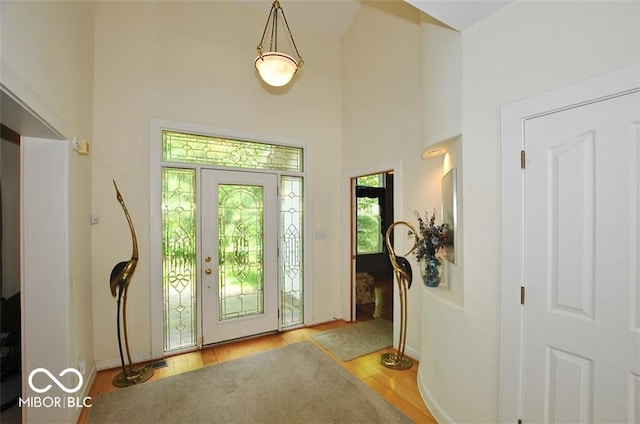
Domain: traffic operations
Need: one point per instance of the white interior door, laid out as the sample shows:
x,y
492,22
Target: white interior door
x,y
581,357
239,269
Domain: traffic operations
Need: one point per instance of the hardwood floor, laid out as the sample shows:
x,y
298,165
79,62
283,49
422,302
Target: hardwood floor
x,y
398,387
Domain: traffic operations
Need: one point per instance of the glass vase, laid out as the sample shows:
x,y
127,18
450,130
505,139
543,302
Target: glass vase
x,y
430,270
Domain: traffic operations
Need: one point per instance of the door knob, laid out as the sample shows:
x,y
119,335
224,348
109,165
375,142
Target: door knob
x,y
207,259
207,271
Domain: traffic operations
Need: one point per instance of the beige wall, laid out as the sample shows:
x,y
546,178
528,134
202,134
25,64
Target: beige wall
x,y
47,64
382,106
522,50
360,108
47,60
194,63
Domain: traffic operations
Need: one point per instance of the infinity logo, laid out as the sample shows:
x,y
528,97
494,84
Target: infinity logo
x,y
55,380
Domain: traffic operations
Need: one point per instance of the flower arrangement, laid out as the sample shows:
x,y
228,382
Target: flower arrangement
x,y
431,237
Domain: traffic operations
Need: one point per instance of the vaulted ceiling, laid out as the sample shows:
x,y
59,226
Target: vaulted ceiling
x,y
331,17
459,14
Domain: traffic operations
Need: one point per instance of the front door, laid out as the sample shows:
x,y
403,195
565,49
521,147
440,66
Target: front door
x,y
581,313
239,269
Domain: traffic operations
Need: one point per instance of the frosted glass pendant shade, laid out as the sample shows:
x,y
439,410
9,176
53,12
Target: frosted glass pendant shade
x,y
275,68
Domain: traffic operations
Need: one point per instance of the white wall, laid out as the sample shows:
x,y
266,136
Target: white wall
x,y
524,49
46,318
47,65
193,62
382,106
441,84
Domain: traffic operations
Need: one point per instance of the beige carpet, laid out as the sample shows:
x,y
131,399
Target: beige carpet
x,y
298,384
354,340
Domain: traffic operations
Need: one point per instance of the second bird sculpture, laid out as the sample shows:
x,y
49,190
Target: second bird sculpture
x,y
404,275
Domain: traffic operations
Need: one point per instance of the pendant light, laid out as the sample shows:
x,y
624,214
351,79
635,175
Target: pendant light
x,y
276,68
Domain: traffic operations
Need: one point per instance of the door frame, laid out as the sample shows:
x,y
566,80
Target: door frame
x,y
354,238
156,126
349,270
514,115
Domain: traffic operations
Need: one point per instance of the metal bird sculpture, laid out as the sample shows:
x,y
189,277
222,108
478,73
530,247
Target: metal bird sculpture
x,y
404,275
122,272
404,267
119,285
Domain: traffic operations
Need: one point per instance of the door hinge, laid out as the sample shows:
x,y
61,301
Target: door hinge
x,y
519,421
521,295
523,159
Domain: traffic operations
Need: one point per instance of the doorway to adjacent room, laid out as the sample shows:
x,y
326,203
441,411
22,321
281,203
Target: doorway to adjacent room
x,y
372,213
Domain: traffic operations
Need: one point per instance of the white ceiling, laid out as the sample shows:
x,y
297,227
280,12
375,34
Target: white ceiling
x,y
333,17
459,14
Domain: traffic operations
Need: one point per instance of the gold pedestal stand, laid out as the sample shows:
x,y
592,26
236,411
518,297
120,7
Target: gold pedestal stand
x,y
395,362
133,376
402,269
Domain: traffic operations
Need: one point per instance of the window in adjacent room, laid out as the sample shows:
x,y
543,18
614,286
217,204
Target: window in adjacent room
x,y
370,192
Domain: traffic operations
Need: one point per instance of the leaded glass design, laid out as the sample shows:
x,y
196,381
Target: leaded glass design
x,y
292,251
179,257
240,250
374,180
208,150
243,281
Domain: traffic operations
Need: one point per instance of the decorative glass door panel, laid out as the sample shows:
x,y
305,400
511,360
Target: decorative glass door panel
x,y
239,254
240,259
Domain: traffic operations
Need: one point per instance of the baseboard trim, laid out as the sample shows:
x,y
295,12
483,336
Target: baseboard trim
x,y
115,363
411,353
436,410
87,385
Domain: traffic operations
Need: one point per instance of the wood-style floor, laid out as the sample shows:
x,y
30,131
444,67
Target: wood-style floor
x,y
398,387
